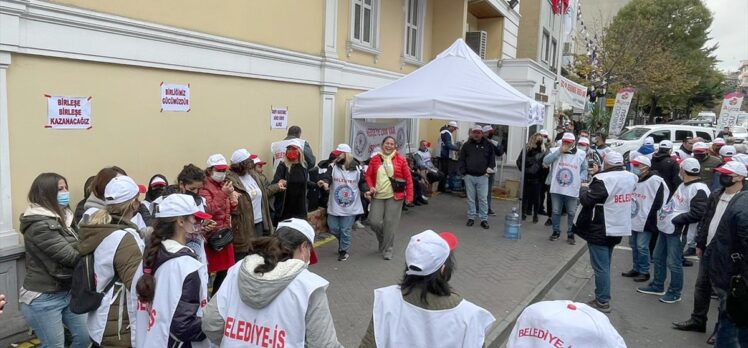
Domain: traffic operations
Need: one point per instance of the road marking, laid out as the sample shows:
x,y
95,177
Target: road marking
x,y
620,247
320,243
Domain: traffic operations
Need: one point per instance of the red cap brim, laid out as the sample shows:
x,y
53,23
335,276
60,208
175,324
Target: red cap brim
x,y
451,239
142,189
700,151
313,257
203,215
158,184
336,153
221,166
567,141
635,162
727,159
261,163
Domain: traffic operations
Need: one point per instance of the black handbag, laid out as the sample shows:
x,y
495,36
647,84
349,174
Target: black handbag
x,y
398,185
219,240
737,296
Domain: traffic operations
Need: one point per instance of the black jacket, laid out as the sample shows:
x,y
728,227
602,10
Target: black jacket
x,y
534,165
186,326
731,237
667,169
590,225
651,223
702,232
51,253
476,157
697,208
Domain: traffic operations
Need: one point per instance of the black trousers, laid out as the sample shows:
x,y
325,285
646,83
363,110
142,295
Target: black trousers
x,y
532,198
702,294
444,168
436,176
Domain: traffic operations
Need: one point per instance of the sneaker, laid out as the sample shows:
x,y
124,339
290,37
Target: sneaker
x,y
630,274
670,298
484,224
491,213
358,225
602,307
423,197
650,290
571,240
554,237
470,222
548,222
343,256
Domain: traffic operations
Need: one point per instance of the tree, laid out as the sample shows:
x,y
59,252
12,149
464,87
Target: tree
x,y
659,47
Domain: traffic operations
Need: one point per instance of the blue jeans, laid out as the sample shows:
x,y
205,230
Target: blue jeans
x,y
477,185
340,227
668,250
639,242
46,315
600,256
560,201
728,336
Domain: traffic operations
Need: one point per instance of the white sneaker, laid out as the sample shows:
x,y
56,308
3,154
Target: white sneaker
x,y
358,225
424,198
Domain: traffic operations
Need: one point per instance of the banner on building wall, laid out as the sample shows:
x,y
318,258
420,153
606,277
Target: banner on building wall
x,y
368,136
572,93
278,149
278,117
620,110
68,112
728,114
175,98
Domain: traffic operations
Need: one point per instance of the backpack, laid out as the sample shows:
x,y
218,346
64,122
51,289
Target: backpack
x,y
83,295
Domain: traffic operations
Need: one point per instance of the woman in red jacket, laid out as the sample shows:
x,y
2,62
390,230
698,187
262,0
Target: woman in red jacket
x,y
390,182
220,201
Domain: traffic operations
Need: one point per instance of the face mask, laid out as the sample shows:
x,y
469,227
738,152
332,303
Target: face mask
x,y
582,148
700,157
636,171
594,140
664,151
292,155
63,199
218,176
726,181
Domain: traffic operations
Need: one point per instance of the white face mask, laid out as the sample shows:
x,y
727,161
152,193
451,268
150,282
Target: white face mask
x,y
218,176
583,148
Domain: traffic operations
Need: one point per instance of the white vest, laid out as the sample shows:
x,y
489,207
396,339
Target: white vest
x,y
345,197
153,323
281,324
565,178
617,207
682,155
426,158
104,272
680,203
644,196
398,323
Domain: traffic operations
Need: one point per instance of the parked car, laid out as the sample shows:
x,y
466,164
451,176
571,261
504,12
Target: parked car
x,y
740,134
707,116
634,137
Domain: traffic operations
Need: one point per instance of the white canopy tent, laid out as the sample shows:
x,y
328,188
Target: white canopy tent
x,y
455,86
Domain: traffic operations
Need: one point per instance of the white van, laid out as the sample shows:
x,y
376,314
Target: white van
x,y
633,139
707,116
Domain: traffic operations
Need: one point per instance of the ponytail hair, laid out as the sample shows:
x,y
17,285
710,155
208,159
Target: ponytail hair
x,y
277,248
164,229
104,216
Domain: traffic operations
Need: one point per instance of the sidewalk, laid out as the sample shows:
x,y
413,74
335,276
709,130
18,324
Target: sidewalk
x,y
492,272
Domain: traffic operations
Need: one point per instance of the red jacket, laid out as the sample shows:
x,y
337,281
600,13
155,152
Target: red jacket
x,y
218,204
402,171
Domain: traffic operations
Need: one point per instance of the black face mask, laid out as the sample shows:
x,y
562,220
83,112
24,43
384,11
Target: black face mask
x,y
700,157
664,151
726,181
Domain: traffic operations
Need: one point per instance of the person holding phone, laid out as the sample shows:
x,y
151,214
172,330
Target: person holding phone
x,y
220,201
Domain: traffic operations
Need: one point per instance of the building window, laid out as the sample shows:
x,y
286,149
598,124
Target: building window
x,y
364,23
414,26
544,45
554,53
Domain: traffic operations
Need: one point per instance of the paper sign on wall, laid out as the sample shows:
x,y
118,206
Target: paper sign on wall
x,y
278,117
68,112
175,98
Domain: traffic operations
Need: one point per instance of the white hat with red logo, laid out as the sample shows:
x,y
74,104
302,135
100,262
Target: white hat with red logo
x,y
428,251
180,205
121,189
241,155
641,161
734,167
452,124
563,324
568,138
583,141
544,133
614,158
691,166
727,151
700,147
719,141
217,161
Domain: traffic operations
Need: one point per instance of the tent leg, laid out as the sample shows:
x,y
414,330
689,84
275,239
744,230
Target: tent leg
x,y
520,191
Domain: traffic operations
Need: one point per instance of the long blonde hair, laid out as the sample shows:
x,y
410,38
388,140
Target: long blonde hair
x,y
104,216
532,141
348,163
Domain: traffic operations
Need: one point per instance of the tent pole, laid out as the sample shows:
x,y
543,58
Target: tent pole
x,y
521,190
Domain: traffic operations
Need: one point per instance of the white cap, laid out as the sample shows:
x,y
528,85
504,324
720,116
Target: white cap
x,y
240,156
719,141
727,151
700,147
641,161
575,324
649,141
543,132
476,128
583,141
733,167
666,144
157,182
452,124
427,251
217,161
487,128
304,228
614,158
568,138
742,158
344,148
691,166
121,189
258,161
180,205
